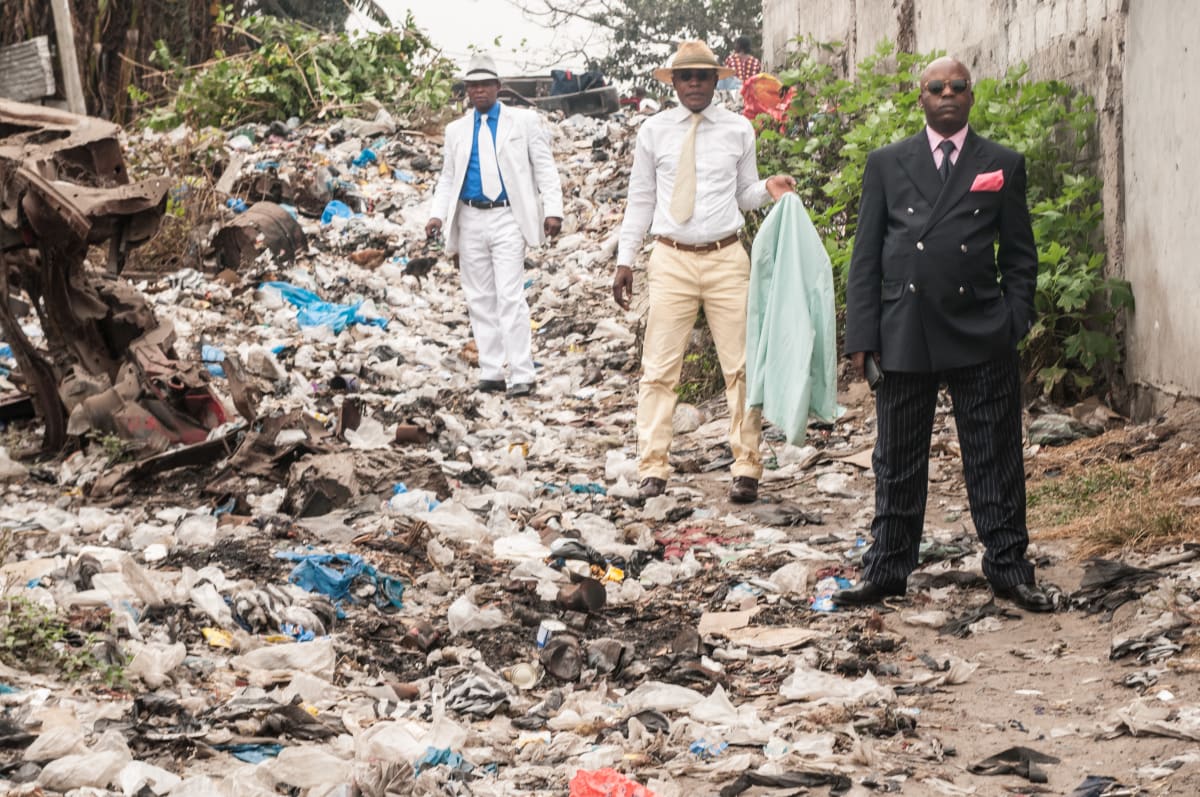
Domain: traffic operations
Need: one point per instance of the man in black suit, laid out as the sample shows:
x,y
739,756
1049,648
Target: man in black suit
x,y
932,300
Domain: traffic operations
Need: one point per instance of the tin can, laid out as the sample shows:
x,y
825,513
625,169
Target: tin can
x,y
547,629
523,675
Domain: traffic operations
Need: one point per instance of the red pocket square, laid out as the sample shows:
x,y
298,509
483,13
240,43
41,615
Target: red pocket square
x,y
988,181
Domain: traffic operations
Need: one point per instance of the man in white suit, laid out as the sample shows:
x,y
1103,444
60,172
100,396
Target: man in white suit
x,y
498,192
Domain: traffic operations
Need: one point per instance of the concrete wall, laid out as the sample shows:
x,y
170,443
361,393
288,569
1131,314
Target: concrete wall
x,y
1162,201
1139,60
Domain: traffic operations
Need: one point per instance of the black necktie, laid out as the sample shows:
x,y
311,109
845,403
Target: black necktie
x,y
947,146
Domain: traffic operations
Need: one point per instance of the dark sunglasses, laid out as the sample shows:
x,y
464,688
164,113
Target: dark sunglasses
x,y
958,86
688,75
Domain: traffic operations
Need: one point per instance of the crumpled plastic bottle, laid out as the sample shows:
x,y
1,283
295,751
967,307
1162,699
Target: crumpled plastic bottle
x,y
824,589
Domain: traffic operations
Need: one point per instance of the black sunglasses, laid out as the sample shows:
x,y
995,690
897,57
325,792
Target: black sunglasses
x,y
958,86
688,75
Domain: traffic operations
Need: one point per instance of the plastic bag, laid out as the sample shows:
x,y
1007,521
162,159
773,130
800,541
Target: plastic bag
x,y
763,93
152,662
316,657
315,312
97,770
464,616
308,767
606,783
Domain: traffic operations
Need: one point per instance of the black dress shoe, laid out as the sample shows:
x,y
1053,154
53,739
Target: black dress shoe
x,y
1029,597
491,386
866,592
651,487
521,390
744,490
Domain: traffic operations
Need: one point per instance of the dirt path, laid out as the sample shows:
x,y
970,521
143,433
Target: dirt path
x,y
1044,682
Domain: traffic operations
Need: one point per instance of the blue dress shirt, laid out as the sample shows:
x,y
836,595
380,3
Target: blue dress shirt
x,y
472,186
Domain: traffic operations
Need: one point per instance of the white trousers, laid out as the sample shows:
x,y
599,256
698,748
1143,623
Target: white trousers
x,y
491,265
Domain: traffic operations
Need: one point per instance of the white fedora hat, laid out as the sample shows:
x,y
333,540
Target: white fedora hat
x,y
481,67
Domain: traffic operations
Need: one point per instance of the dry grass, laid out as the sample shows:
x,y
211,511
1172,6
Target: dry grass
x,y
192,204
1127,490
177,246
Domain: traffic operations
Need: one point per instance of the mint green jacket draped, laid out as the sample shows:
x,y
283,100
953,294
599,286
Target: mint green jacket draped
x,y
791,343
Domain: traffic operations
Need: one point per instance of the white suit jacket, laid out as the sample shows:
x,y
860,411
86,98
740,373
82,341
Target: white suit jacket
x,y
526,165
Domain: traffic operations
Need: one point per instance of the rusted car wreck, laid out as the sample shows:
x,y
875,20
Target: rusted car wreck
x,y
106,362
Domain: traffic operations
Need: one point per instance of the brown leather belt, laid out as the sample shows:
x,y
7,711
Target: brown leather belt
x,y
711,246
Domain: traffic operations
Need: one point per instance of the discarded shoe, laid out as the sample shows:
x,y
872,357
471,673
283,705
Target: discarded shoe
x,y
491,385
521,390
866,592
1029,597
744,490
651,487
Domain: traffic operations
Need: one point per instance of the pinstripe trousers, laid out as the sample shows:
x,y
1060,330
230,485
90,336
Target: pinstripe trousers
x,y
987,413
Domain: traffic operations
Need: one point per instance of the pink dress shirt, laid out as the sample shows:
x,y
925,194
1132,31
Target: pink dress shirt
x,y
936,138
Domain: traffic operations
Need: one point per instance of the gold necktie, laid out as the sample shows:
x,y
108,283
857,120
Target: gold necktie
x,y
683,197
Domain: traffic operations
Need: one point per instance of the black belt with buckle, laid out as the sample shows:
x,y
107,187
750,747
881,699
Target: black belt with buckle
x,y
485,204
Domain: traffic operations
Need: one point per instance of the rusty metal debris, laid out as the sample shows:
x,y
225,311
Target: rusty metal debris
x,y
265,226
107,362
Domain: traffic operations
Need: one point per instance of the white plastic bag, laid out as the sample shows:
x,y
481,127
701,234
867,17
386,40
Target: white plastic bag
x,y
464,616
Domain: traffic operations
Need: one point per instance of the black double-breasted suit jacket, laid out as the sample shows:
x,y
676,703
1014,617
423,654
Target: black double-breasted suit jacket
x,y
942,276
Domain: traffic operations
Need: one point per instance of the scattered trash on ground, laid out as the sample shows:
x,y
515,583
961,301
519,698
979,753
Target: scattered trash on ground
x,y
293,548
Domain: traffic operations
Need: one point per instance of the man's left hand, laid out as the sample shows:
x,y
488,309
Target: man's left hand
x,y
552,226
780,184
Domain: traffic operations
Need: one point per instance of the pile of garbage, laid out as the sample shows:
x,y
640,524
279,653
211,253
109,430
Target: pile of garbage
x,y
365,578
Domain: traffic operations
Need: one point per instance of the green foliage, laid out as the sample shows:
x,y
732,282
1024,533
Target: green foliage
x,y
116,449
291,70
641,34
700,378
834,123
38,640
637,24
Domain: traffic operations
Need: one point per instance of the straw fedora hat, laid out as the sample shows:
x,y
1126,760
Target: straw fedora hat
x,y
692,55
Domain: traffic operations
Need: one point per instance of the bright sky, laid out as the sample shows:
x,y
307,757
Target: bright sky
x,y
525,47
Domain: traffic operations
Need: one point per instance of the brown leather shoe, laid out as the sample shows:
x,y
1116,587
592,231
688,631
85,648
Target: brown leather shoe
x,y
744,490
651,487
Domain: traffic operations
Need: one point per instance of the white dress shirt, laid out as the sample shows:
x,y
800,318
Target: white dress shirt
x,y
727,182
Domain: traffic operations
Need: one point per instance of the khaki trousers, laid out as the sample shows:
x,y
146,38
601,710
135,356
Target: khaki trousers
x,y
680,283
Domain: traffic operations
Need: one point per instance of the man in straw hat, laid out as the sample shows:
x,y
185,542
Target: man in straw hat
x,y
694,173
498,192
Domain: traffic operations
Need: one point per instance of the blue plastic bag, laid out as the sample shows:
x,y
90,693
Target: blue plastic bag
x,y
319,572
251,753
336,210
367,156
212,358
314,312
